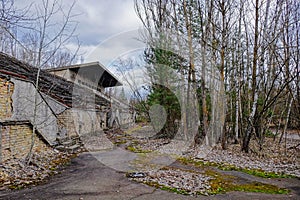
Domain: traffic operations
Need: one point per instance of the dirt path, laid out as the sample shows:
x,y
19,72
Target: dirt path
x,y
87,178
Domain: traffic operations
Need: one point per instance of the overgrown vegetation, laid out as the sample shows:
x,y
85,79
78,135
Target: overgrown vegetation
x,y
221,183
222,186
162,90
232,54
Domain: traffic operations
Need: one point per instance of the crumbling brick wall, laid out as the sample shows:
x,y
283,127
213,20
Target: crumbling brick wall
x,y
79,122
6,91
15,137
66,124
16,140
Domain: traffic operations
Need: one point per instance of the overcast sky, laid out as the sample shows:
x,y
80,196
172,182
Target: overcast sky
x,y
101,19
103,24
107,30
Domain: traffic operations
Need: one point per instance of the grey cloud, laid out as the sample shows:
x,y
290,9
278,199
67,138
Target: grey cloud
x,y
102,28
102,19
98,19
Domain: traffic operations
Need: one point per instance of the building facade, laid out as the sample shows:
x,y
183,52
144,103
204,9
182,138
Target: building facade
x,y
66,102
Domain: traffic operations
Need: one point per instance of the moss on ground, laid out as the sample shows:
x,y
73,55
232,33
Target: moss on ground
x,y
166,188
136,128
229,167
222,183
136,149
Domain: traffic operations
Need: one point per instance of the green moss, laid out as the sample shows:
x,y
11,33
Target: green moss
x,y
229,167
187,161
222,187
263,174
130,131
134,143
254,172
16,187
52,168
223,183
137,149
167,188
175,190
260,187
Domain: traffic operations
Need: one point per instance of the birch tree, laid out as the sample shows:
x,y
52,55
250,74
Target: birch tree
x,y
256,56
48,44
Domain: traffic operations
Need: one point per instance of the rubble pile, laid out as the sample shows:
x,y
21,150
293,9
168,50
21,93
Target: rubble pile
x,y
18,173
187,182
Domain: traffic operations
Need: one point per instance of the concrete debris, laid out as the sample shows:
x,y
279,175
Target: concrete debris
x,y
16,173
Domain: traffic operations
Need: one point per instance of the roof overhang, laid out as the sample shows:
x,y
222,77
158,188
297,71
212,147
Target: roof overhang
x,y
56,87
94,71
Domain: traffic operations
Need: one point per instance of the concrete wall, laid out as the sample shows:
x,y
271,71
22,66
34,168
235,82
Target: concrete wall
x,y
52,118
120,114
17,103
66,74
78,78
23,106
82,122
15,140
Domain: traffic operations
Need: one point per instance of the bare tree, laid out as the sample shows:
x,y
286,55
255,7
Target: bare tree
x,y
47,44
125,69
11,20
256,56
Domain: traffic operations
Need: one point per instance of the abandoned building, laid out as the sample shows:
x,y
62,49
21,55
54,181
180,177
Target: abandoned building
x,y
65,102
94,76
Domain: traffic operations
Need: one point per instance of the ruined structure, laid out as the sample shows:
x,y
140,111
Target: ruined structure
x,y
66,104
94,76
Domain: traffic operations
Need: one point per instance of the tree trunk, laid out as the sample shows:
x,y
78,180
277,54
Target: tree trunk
x,y
249,130
286,120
